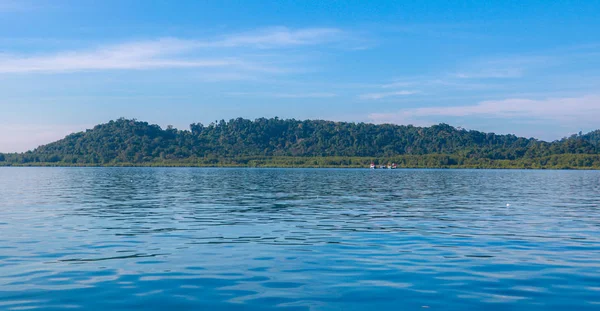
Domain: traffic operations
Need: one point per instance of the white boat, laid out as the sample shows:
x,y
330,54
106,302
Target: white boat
x,y
372,166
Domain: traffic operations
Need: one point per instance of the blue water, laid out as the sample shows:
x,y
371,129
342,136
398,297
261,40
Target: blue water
x,y
298,239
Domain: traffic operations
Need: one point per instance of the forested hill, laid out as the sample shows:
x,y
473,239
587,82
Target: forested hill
x,y
278,142
591,137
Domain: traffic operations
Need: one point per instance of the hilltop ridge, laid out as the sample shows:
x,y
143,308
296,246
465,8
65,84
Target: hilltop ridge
x,y
289,142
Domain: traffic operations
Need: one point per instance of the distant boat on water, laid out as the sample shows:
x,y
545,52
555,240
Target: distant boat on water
x,y
392,166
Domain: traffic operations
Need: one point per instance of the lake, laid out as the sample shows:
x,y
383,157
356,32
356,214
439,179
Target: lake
x,y
298,239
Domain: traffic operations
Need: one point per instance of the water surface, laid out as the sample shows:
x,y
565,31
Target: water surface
x,y
298,239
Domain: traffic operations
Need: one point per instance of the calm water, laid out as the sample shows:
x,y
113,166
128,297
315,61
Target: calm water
x,y
256,239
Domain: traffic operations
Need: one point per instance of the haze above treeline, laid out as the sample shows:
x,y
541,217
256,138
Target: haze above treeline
x,y
311,143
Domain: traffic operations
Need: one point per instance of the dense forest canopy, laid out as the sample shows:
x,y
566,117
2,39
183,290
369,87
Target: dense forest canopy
x,y
289,142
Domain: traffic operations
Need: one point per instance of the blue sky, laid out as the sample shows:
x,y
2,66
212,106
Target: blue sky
x,y
531,68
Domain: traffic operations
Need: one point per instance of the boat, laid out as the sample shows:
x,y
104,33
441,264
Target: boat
x,y
372,166
394,166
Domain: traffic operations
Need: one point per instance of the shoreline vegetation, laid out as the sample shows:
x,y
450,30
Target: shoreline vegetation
x,y
568,161
307,144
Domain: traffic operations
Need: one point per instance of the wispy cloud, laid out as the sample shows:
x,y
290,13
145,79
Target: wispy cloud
x,y
400,84
439,30
305,95
498,73
509,74
503,68
375,96
170,53
437,82
136,55
572,110
277,37
285,95
226,76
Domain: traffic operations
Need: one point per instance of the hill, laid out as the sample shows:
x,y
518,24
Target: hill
x,y
279,142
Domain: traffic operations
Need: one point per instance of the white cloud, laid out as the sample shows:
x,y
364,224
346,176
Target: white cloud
x,y
285,95
583,110
375,96
225,76
136,55
439,30
394,85
305,95
278,37
170,53
494,73
431,84
508,67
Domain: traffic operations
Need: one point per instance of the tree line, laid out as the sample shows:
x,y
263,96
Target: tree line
x,y
308,143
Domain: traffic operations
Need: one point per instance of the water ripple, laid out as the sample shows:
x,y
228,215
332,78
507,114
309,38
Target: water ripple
x,y
260,239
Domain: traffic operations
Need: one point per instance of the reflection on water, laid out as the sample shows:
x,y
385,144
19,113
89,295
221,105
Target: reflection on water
x,y
255,239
